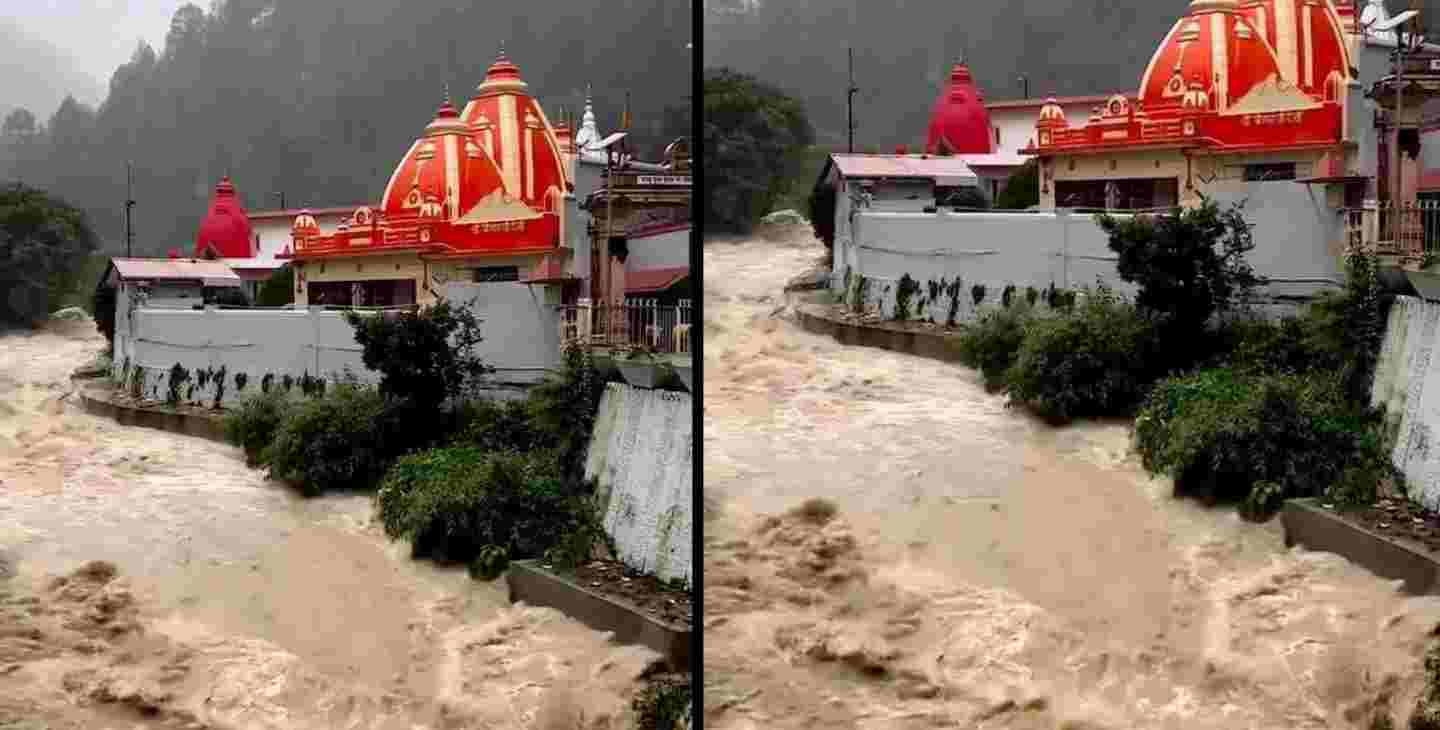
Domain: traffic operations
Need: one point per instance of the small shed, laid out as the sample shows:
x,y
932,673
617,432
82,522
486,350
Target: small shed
x,y
180,283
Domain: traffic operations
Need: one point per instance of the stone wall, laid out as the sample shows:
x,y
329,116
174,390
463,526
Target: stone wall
x,y
641,456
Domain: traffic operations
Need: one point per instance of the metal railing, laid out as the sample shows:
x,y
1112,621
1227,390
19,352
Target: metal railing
x,y
642,325
1409,229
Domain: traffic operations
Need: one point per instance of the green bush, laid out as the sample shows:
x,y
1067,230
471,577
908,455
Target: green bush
x,y
332,443
426,355
1096,361
455,503
564,408
254,423
991,344
501,426
278,290
1226,435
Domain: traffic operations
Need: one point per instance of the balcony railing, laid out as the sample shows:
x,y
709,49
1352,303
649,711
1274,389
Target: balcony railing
x,y
642,325
1409,230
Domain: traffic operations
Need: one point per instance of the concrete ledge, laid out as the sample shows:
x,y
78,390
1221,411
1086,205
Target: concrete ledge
x,y
920,344
538,587
96,402
1308,524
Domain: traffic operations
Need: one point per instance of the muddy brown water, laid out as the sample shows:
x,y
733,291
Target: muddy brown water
x,y
252,608
985,570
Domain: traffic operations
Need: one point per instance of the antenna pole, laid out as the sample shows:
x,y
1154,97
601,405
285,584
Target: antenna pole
x,y
129,204
850,103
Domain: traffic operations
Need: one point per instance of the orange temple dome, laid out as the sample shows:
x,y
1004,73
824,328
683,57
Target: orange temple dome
x,y
444,175
959,122
225,230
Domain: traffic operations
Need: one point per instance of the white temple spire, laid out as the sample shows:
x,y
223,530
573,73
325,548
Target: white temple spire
x,y
589,135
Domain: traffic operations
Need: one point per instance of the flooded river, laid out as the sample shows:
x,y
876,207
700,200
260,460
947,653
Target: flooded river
x,y
983,570
152,580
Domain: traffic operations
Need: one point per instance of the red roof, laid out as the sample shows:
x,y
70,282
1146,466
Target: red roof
x,y
654,281
511,127
226,227
959,123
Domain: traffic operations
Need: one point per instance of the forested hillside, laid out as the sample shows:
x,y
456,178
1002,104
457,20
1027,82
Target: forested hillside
x,y
320,98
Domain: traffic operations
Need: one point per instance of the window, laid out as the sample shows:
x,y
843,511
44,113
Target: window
x,y
492,274
1270,172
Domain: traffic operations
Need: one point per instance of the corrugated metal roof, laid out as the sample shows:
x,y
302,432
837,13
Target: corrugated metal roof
x,y
163,269
863,166
652,281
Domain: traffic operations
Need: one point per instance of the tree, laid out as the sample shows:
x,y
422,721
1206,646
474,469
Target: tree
x,y
19,122
822,213
423,356
755,138
1188,266
278,290
967,198
43,245
102,306
1022,190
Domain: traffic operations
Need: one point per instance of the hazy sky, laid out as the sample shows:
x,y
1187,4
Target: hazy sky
x,y
100,34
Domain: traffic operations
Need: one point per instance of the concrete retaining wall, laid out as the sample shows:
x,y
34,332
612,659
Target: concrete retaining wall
x,y
98,403
641,456
1407,385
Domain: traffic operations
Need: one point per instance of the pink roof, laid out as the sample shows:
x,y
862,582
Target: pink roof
x,y
862,166
652,281
214,273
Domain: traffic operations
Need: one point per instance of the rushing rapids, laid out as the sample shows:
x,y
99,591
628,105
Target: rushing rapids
x,y
152,580
889,546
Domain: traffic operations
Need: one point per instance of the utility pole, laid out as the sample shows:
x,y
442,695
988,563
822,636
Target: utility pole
x,y
281,195
850,103
1025,84
129,205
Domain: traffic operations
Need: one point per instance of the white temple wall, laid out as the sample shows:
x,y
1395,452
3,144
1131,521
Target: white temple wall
x,y
520,326
1297,246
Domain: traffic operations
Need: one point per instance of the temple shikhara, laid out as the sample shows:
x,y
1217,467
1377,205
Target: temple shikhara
x,y
1314,115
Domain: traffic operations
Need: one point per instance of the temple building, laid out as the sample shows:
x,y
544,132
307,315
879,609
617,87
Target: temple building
x,y
481,196
225,235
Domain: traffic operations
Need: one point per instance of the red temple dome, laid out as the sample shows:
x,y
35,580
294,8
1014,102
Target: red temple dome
x,y
1216,46
225,231
445,175
1308,39
510,126
959,123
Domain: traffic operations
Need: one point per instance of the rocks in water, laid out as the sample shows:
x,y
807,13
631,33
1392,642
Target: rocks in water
x,y
785,217
71,314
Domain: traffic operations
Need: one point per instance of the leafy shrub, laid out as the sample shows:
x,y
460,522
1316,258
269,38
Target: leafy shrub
x,y
908,289
1258,439
1007,295
178,377
219,386
489,563
331,443
501,426
240,380
977,293
266,382
1091,363
1031,295
564,407
425,355
452,503
991,344
1187,266
254,423
953,291
278,290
